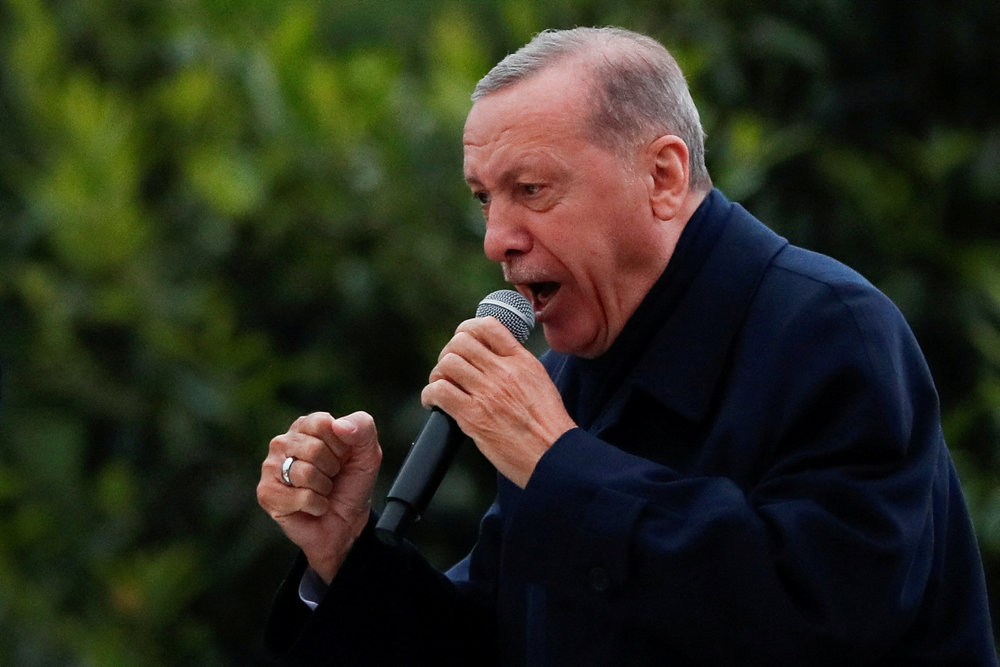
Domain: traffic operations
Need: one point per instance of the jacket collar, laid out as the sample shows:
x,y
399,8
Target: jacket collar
x,y
686,359
685,363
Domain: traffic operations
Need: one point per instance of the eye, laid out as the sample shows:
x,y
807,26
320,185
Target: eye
x,y
530,189
482,197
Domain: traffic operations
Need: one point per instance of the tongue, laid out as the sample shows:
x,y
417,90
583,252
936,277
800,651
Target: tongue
x,y
544,291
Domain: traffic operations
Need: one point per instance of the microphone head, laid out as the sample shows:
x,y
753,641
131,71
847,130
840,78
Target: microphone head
x,y
512,309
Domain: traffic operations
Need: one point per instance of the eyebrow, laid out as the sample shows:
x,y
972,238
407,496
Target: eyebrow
x,y
508,175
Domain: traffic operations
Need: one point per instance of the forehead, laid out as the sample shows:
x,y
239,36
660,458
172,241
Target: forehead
x,y
546,111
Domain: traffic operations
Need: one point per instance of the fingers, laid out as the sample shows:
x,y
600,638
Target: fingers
x,y
456,368
281,500
479,346
304,475
356,429
306,493
488,332
308,449
310,441
317,447
492,333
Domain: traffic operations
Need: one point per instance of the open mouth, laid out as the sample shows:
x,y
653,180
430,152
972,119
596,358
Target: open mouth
x,y
543,291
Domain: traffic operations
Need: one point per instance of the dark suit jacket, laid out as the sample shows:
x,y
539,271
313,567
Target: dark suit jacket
x,y
768,484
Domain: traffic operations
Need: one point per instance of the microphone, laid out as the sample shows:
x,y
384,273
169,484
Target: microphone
x,y
432,452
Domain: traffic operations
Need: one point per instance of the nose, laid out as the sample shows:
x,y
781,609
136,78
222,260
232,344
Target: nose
x,y
506,234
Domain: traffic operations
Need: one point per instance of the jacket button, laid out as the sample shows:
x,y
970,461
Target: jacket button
x,y
599,579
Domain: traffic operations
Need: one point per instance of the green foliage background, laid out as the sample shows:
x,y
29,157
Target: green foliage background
x,y
217,215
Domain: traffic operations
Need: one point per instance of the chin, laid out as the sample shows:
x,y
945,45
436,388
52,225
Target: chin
x,y
565,343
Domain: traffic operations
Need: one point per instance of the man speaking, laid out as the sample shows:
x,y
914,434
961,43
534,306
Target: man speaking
x,y
732,453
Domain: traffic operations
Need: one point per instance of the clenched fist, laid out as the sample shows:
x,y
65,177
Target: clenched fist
x,y
330,466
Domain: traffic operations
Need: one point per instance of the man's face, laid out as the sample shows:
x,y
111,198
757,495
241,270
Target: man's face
x,y
570,222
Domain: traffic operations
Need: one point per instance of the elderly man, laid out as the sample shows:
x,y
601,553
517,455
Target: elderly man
x,y
731,455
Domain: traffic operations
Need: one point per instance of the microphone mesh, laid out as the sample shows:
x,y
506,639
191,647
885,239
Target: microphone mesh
x,y
512,309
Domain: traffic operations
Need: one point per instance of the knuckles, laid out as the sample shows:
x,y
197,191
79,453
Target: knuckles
x,y
449,359
311,450
278,443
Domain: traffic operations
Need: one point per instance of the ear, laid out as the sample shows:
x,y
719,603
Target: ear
x,y
669,174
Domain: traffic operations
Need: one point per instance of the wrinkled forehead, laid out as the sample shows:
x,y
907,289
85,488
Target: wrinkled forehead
x,y
501,147
555,102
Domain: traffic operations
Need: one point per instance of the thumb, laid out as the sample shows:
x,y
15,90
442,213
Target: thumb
x,y
357,428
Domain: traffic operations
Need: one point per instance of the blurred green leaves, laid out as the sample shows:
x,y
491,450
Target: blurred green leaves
x,y
215,216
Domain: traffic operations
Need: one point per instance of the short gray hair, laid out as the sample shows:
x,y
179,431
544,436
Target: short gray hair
x,y
641,91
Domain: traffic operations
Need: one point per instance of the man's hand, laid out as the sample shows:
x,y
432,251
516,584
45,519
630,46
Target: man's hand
x,y
500,396
332,476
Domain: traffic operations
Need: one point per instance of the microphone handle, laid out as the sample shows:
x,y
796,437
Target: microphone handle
x,y
422,471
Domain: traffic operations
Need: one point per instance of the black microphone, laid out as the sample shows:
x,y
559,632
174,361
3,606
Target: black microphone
x,y
432,452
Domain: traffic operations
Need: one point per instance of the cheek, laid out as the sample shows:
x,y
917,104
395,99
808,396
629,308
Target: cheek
x,y
631,255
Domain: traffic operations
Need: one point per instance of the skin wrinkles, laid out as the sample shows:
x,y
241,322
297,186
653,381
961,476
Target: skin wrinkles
x,y
581,232
556,205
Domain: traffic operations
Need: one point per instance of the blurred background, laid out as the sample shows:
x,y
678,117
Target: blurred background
x,y
218,215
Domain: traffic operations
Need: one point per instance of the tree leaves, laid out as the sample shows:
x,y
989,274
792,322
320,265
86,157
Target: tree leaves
x,y
216,216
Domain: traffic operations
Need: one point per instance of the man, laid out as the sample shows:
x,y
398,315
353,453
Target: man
x,y
731,455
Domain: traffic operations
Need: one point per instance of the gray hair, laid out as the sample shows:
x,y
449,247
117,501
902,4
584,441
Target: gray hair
x,y
640,90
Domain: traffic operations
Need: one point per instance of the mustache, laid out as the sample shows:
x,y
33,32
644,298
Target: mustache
x,y
516,273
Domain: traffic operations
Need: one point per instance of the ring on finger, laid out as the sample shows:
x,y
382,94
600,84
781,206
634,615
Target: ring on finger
x,y
286,470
